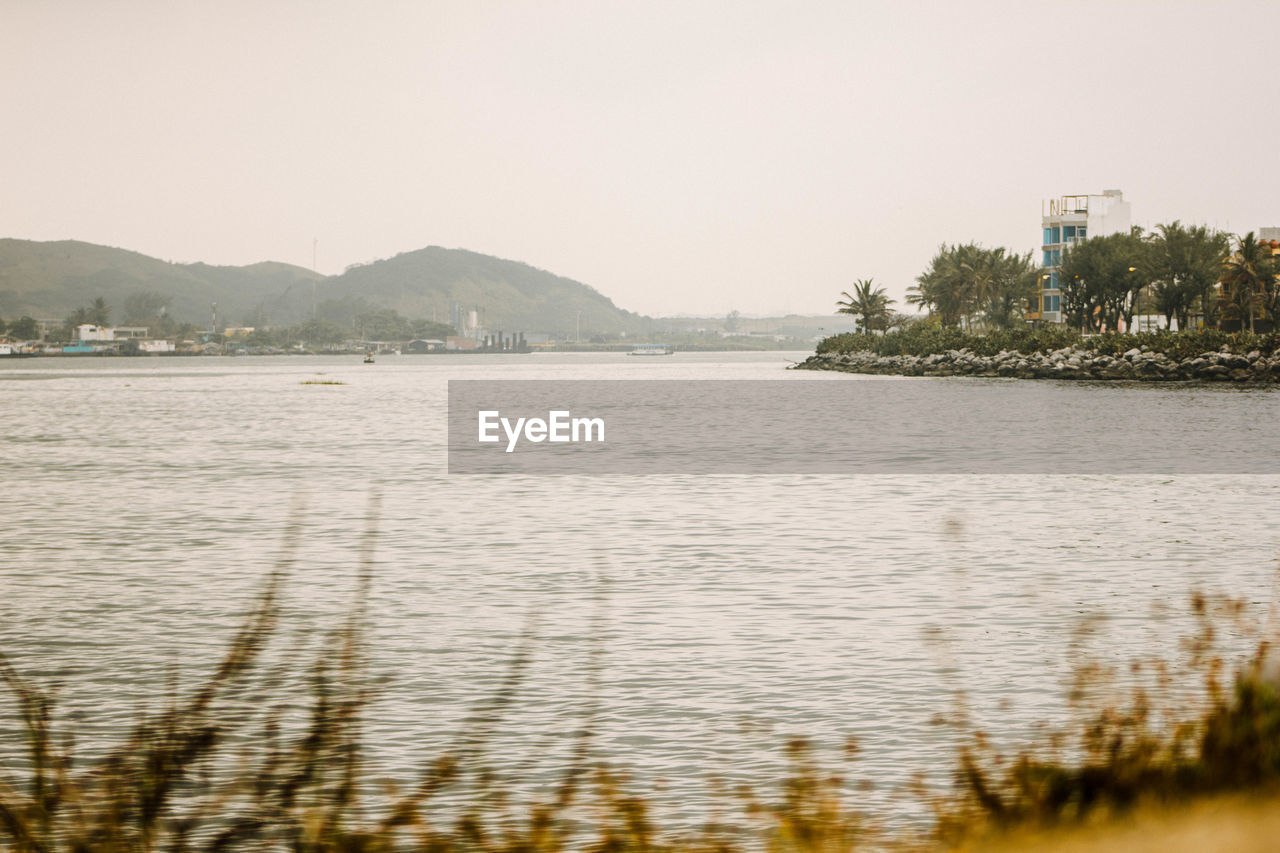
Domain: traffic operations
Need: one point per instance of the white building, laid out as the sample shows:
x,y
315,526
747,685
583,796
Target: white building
x,y
1064,221
90,332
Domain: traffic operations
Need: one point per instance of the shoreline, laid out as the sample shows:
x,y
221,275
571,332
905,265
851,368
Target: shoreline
x,y
1137,364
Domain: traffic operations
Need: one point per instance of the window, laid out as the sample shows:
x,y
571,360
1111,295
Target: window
x,y
1080,233
1048,233
1068,233
1051,283
1052,301
1057,235
1048,258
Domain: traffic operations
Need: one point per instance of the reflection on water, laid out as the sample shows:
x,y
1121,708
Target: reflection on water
x,y
144,501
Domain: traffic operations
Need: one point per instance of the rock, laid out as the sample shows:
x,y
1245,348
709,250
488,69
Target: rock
x,y
1147,369
1236,362
1065,363
1214,371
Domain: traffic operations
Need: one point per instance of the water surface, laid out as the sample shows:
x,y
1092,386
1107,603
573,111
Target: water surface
x,y
144,500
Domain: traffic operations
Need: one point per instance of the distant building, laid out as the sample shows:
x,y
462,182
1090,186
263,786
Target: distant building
x,y
455,342
1065,221
90,332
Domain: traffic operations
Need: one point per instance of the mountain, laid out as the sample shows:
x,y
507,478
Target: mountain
x,y
51,280
507,295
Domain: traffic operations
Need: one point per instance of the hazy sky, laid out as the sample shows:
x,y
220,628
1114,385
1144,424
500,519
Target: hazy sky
x,y
679,157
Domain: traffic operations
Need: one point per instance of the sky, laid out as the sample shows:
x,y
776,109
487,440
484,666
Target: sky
x,y
689,157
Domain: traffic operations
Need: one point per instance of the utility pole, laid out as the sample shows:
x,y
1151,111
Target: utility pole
x,y
315,242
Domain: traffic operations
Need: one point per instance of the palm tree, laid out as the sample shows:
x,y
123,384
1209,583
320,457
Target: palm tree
x,y
1248,281
1013,279
944,288
869,303
1185,263
967,283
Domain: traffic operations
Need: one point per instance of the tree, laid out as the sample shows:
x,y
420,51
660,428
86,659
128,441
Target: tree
x,y
320,333
870,304
151,309
1184,267
142,306
731,321
423,328
100,312
969,283
383,325
1248,283
24,329
4,327
1011,280
945,288
1101,279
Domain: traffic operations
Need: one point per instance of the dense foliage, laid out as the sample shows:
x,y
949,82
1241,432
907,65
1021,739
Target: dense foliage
x,y
1191,275
970,285
1183,264
1249,291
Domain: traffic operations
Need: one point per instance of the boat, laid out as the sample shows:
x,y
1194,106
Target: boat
x,y
652,349
368,357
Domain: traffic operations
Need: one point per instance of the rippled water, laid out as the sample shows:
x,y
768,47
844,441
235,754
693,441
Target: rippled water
x,y
143,502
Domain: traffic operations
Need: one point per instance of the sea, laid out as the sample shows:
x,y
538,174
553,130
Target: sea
x,y
698,622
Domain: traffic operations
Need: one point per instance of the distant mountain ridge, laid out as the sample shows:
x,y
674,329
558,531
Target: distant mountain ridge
x,y
506,294
49,280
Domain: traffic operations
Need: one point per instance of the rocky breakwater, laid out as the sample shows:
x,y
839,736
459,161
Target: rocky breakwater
x,y
1069,363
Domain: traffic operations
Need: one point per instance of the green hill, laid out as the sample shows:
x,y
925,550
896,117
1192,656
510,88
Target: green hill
x,y
51,280
506,295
